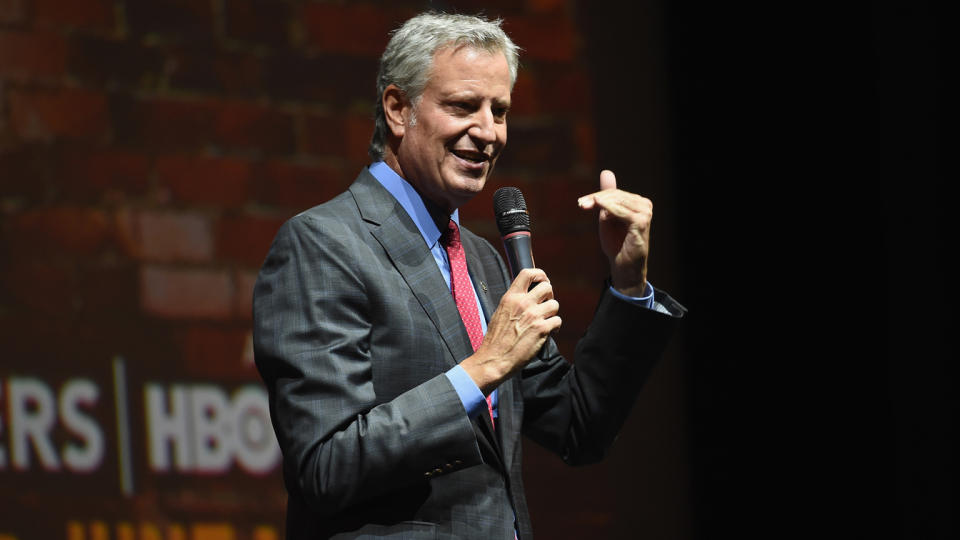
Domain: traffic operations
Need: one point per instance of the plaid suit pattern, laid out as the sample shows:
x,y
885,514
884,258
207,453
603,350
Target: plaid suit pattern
x,y
354,328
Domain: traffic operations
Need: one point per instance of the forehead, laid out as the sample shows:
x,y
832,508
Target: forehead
x,y
471,68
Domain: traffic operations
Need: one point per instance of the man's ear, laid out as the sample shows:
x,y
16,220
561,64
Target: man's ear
x,y
396,109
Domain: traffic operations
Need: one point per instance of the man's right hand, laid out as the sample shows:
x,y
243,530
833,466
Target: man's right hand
x,y
519,327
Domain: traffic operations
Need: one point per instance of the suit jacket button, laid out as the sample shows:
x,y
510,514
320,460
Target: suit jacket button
x,y
449,466
428,474
438,470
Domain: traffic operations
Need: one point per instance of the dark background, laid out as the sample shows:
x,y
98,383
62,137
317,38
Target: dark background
x,y
808,155
795,155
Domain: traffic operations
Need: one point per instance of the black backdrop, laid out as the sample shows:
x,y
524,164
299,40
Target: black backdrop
x,y
803,167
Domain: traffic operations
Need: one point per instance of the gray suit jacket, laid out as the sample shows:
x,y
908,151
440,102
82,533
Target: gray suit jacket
x,y
354,328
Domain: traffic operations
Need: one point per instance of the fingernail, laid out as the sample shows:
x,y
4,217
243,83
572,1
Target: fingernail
x,y
580,202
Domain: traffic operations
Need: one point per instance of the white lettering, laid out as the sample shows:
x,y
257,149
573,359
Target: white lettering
x,y
209,430
32,414
211,422
86,457
163,428
256,444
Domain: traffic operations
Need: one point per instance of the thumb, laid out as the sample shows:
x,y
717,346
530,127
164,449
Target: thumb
x,y
607,180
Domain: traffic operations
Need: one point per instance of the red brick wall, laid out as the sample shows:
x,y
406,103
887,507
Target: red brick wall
x,y
150,149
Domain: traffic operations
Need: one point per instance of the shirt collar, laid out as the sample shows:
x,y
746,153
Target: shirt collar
x,y
411,201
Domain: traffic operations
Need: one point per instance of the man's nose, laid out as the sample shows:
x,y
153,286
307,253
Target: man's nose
x,y
483,129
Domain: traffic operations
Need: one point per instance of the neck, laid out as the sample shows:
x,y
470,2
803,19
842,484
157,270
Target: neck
x,y
435,207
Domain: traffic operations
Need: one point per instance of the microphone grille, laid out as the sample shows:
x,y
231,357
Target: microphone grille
x,y
510,210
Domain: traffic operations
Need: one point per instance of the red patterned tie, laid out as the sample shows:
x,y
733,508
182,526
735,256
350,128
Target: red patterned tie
x,y
463,291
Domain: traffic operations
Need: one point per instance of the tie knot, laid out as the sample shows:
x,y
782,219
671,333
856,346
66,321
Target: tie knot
x,y
451,237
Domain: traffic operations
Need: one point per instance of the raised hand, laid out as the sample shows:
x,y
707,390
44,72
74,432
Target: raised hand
x,y
624,223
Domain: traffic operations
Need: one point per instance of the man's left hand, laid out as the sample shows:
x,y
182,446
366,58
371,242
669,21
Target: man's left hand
x,y
624,233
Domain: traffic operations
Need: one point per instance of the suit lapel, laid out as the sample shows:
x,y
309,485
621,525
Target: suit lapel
x,y
487,280
401,240
480,284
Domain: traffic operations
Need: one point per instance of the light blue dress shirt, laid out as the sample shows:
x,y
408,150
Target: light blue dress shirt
x,y
470,395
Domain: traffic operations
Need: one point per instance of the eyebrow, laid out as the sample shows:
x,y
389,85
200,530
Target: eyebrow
x,y
471,95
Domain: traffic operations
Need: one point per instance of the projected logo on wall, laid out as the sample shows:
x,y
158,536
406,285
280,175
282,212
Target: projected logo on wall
x,y
189,428
137,457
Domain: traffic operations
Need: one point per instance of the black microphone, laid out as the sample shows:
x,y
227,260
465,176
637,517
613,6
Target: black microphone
x,y
513,222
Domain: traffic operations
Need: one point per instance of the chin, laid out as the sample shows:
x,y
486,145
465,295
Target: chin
x,y
473,186
466,180
462,192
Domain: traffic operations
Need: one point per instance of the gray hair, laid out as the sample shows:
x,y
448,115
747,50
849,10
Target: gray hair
x,y
408,58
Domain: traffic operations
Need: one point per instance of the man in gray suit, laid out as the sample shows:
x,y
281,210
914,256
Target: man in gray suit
x,y
398,405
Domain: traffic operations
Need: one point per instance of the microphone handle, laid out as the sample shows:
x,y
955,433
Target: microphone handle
x,y
519,252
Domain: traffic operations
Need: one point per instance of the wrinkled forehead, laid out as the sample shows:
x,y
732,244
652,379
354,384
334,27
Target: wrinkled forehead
x,y
468,52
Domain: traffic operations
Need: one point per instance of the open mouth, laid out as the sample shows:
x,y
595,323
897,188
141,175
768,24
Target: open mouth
x,y
472,156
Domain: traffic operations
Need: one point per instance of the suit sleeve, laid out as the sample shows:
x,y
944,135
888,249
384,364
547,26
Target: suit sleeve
x,y
312,322
578,410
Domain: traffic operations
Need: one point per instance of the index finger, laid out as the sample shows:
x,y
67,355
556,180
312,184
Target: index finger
x,y
526,277
608,181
